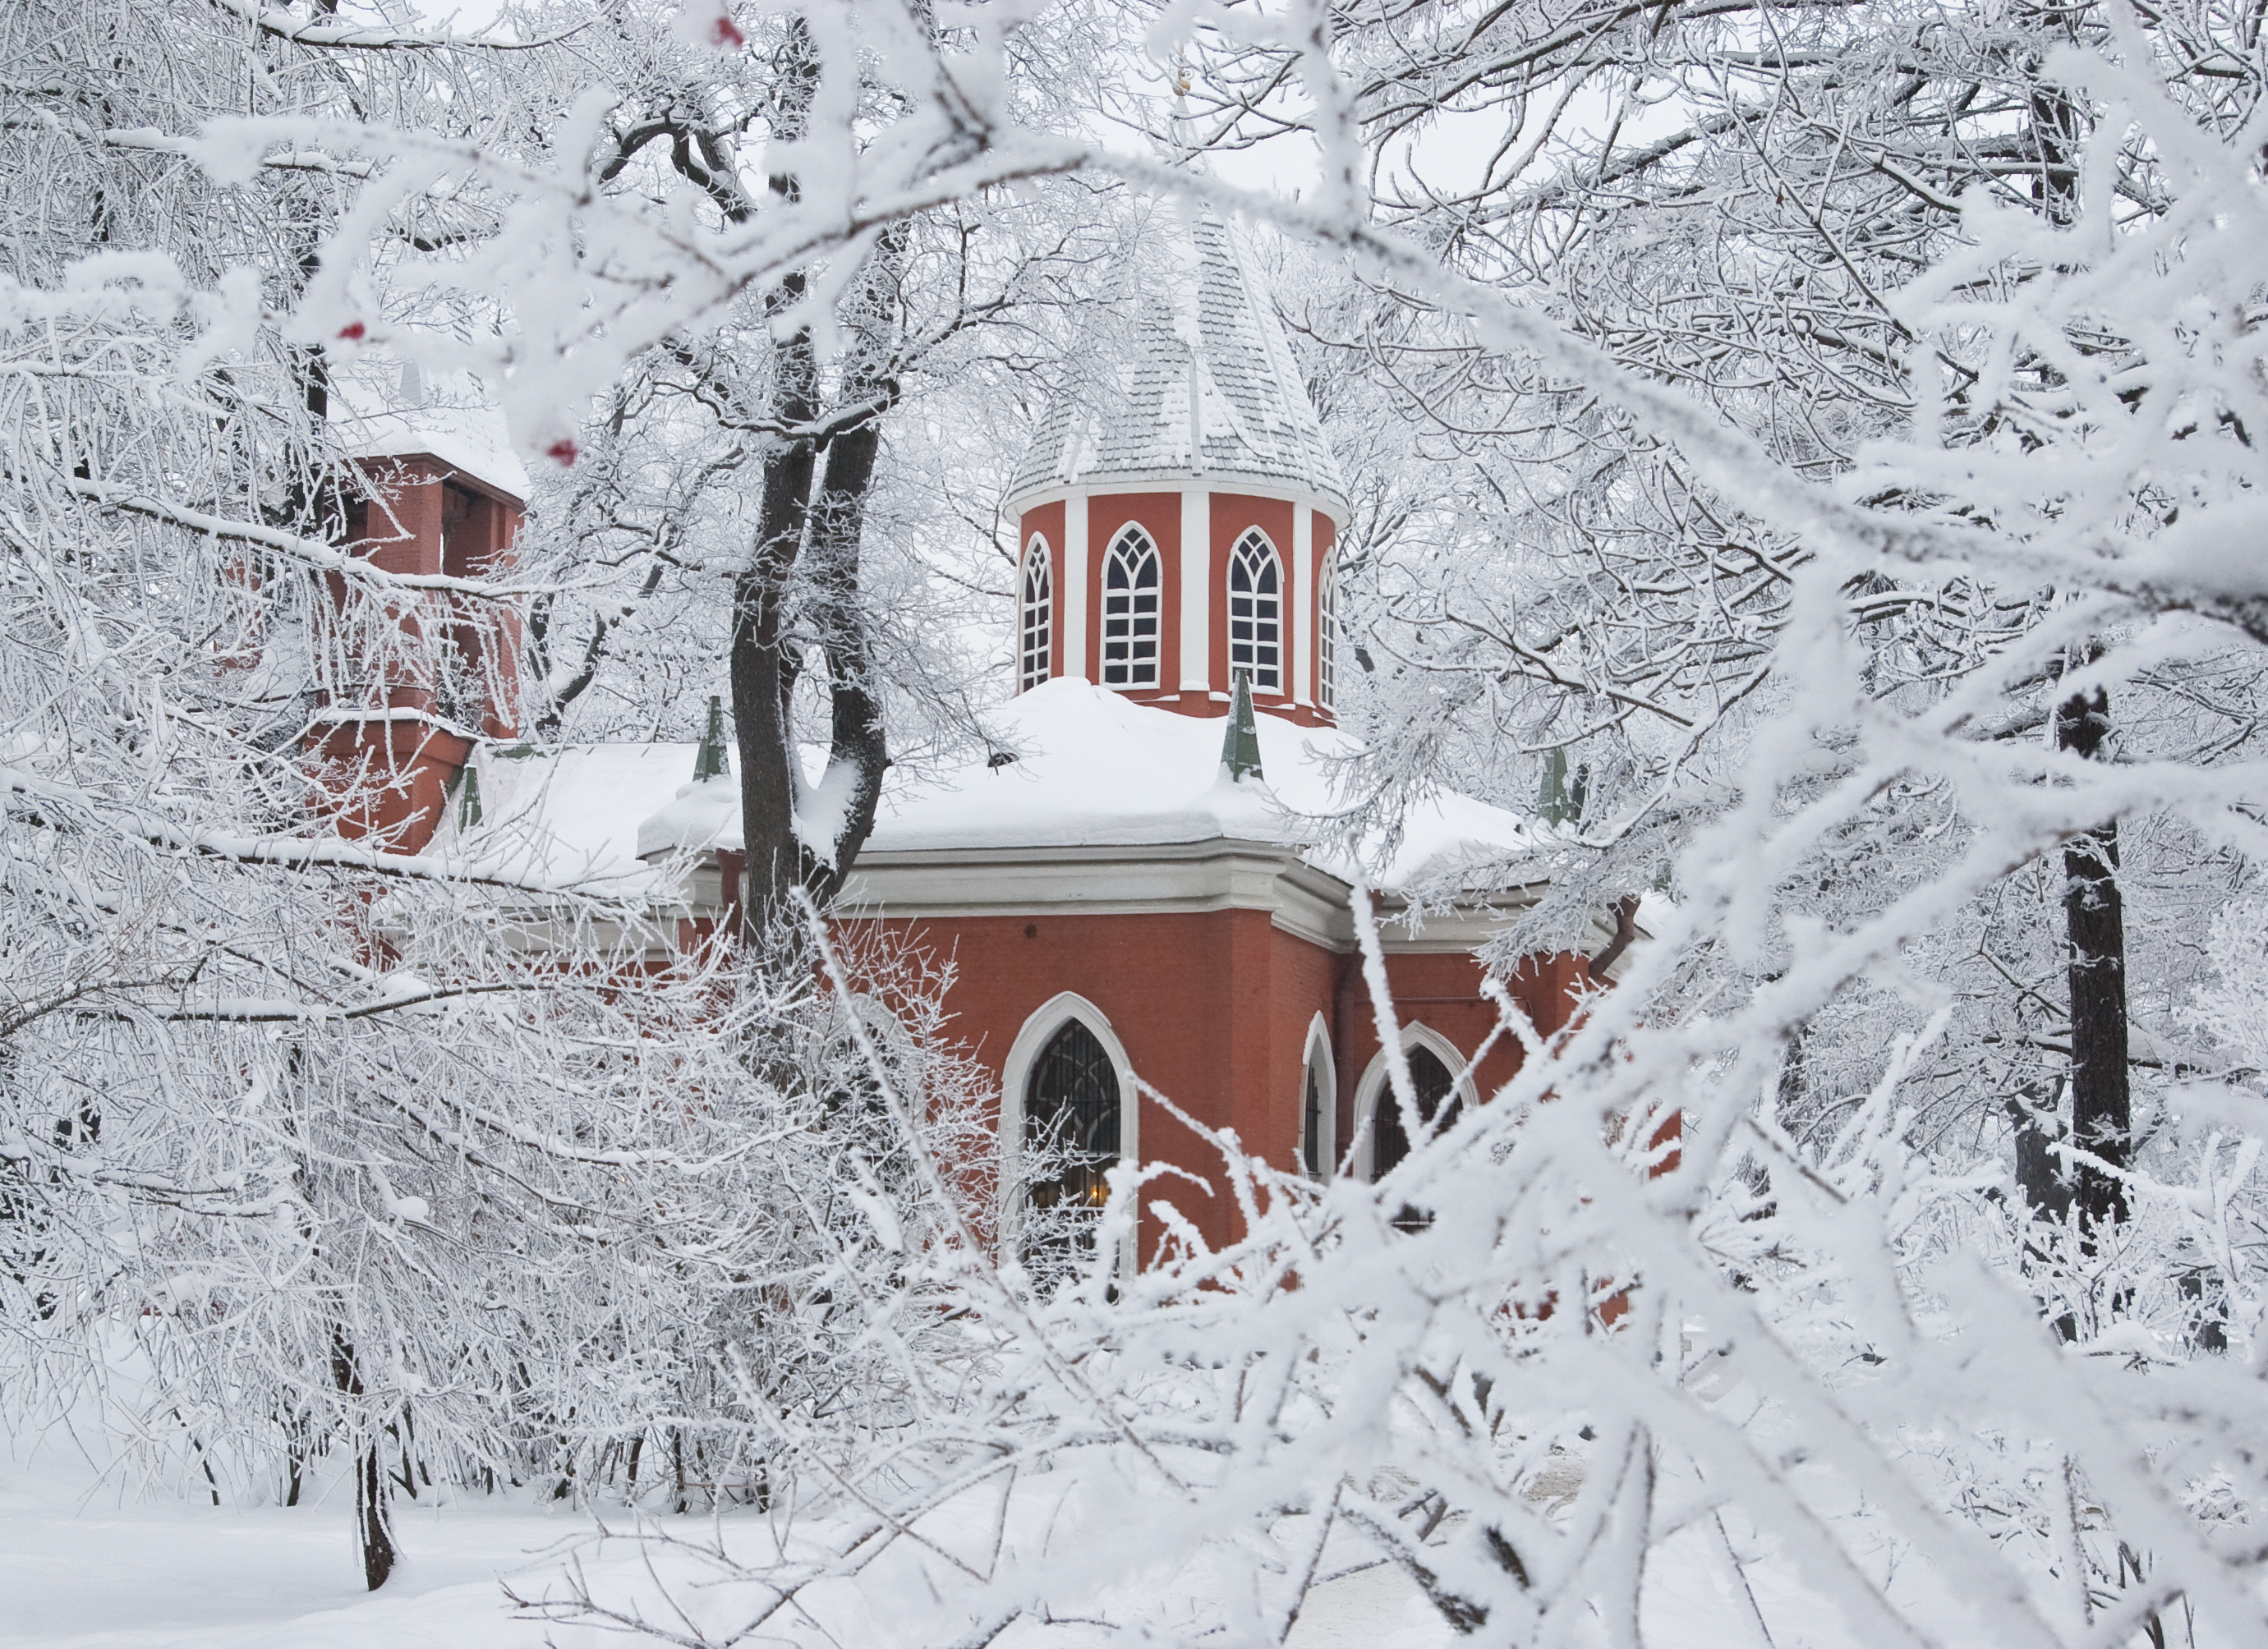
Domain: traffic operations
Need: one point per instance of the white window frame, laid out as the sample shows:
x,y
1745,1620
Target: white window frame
x,y
1116,554
1374,1086
1327,634
1016,1077
1274,557
1037,557
1318,1059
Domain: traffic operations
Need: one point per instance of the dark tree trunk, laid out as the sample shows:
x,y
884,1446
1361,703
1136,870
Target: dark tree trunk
x,y
765,655
373,1506
2040,1170
855,735
826,532
760,681
2101,1117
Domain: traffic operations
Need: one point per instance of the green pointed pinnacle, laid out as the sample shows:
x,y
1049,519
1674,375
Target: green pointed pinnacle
x,y
709,763
1239,751
1558,799
468,798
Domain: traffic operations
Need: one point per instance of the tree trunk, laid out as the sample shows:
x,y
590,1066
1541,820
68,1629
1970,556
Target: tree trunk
x,y
2101,1117
766,657
855,735
765,661
760,683
374,1506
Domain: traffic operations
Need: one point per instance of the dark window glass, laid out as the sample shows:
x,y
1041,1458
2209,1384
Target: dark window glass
x,y
1431,1080
1311,1125
1255,614
1034,655
1071,1127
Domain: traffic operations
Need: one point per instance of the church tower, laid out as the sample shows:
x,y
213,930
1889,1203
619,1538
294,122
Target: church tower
x,y
1179,511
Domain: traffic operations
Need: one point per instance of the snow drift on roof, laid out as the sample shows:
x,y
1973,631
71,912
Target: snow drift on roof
x,y
1089,769
1094,769
446,415
569,815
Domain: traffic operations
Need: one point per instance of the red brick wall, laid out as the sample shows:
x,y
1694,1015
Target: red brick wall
x,y
1213,1009
1159,515
391,776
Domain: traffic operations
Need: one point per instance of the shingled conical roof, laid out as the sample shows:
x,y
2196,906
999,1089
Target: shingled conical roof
x,y
1201,384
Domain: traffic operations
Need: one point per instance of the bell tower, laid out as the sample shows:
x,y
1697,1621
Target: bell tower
x,y
1179,510
417,679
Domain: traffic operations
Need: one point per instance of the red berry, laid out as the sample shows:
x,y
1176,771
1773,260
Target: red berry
x,y
725,34
561,452
352,330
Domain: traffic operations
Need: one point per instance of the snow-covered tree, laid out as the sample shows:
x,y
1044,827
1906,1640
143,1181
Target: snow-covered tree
x,y
1852,550
302,1122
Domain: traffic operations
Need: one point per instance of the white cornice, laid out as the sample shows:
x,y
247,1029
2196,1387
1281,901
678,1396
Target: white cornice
x,y
1153,878
1181,480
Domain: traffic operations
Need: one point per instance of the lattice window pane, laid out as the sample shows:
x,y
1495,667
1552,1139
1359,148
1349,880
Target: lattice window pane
x,y
1434,1084
1327,639
1255,614
1131,584
1036,640
1072,1123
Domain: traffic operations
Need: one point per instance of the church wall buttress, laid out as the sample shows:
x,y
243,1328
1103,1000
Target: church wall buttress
x,y
1300,606
1194,603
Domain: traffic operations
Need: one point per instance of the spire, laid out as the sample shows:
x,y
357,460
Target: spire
x,y
709,763
1192,375
1239,750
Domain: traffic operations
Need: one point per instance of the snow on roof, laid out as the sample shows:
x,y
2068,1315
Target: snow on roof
x,y
447,415
1090,769
1093,769
1203,384
567,815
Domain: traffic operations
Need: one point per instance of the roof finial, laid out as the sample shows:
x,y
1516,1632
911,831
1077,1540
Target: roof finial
x,y
1239,751
709,763
1178,125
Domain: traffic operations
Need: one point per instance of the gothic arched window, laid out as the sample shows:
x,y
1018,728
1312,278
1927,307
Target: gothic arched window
x,y
1310,1124
1255,613
1071,1137
1327,638
1036,633
1437,1107
1130,611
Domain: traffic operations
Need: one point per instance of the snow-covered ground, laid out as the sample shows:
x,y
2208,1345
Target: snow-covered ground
x,y
81,1571
80,1568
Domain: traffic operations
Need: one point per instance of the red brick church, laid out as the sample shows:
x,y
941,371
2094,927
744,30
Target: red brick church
x,y
1128,883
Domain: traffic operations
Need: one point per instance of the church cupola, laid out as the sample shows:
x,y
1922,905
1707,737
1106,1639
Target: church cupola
x,y
1178,509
